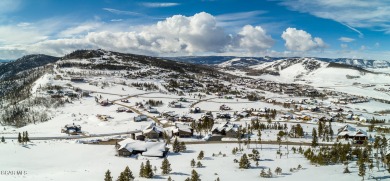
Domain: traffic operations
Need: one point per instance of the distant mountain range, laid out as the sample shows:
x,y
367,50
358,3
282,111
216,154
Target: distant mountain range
x,y
9,68
231,61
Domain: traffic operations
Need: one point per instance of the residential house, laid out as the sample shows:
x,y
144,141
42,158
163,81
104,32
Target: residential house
x,y
224,107
349,132
71,129
129,147
183,130
77,79
152,110
153,131
140,118
228,129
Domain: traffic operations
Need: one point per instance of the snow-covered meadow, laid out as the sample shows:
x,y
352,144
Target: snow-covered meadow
x,y
66,160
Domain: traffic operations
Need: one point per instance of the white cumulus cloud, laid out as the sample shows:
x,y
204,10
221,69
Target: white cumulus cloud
x,y
300,40
346,39
178,34
254,39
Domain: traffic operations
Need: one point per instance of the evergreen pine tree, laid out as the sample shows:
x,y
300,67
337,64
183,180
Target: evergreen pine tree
x,y
121,177
26,139
244,162
23,137
183,147
128,174
192,163
371,166
169,178
278,171
362,169
201,155
234,151
217,179
167,139
165,167
255,155
148,172
176,146
108,176
19,138
320,128
142,170
331,131
259,138
2,139
194,176
199,165
314,142
262,173
269,174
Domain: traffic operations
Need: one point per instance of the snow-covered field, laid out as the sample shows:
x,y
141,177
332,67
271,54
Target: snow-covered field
x,y
60,160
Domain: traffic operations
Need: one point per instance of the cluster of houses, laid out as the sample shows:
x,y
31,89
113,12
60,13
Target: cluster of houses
x,y
68,93
351,99
146,144
311,110
276,87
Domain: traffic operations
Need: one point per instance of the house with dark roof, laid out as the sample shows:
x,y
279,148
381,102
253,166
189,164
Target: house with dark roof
x,y
71,129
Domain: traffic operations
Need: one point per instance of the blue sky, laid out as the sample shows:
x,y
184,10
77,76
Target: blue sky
x,y
322,28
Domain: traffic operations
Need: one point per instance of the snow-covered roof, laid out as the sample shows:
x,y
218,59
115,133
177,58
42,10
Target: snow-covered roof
x,y
148,148
227,126
153,127
351,131
182,127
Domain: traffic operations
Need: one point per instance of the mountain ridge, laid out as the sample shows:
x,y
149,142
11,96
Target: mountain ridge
x,y
223,61
26,62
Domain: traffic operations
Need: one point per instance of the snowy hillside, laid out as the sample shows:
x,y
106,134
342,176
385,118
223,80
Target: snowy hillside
x,y
239,62
324,75
243,62
361,62
9,69
288,69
